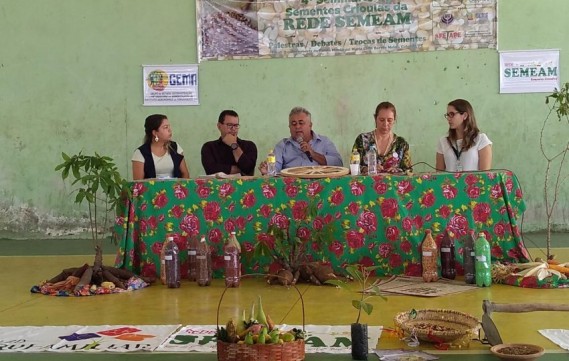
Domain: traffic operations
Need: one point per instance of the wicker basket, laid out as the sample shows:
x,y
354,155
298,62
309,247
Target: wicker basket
x,y
287,351
438,325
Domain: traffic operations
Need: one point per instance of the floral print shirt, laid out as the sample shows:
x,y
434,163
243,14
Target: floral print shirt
x,y
396,159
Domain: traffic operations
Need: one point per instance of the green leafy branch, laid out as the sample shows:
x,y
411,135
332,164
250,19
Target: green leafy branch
x,y
361,275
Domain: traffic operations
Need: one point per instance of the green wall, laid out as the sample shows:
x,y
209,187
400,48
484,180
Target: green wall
x,y
71,79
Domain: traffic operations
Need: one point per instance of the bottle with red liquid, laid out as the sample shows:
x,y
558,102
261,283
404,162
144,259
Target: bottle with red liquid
x,y
163,261
429,258
192,261
232,261
448,269
469,258
203,262
172,263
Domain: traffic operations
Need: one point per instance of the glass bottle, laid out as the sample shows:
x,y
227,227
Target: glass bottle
x,y
172,263
469,258
232,261
448,269
355,162
162,261
271,164
371,157
192,262
483,261
429,258
203,259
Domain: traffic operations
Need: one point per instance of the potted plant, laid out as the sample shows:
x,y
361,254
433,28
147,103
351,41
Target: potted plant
x,y
361,276
554,163
99,184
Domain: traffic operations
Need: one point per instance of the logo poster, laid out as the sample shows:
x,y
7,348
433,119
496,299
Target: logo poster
x,y
532,71
300,28
170,84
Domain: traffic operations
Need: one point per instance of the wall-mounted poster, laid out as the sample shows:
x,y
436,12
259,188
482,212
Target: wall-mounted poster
x,y
529,71
300,28
170,85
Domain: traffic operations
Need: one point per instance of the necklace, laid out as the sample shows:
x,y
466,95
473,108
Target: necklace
x,y
387,146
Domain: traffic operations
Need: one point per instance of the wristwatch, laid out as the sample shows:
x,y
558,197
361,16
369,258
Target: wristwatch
x,y
234,146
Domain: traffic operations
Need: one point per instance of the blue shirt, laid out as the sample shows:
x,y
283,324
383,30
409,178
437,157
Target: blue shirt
x,y
288,153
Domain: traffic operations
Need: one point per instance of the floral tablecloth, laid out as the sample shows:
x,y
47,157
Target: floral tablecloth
x,y
378,220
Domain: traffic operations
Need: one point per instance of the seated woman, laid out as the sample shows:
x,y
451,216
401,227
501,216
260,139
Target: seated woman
x,y
158,157
392,151
464,148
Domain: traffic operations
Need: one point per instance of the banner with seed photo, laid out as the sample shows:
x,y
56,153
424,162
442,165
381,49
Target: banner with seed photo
x,y
301,28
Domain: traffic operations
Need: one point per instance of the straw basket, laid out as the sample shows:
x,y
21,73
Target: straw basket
x,y
438,325
287,351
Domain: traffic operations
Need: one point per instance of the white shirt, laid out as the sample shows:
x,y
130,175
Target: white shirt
x,y
468,159
163,165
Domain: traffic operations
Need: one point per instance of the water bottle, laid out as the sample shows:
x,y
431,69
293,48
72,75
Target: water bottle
x,y
172,263
203,259
271,164
483,261
371,158
163,261
192,262
469,259
232,261
355,162
448,269
429,258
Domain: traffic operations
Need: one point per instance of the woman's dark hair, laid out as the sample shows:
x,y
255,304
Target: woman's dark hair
x,y
152,123
385,105
470,128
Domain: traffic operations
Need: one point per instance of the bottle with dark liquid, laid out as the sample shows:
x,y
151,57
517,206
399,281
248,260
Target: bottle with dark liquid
x,y
203,260
232,261
172,263
448,269
192,261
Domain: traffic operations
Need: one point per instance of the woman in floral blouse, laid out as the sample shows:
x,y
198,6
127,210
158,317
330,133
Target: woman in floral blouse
x,y
392,151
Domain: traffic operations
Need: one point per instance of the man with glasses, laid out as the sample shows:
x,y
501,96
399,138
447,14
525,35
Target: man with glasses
x,y
229,154
304,147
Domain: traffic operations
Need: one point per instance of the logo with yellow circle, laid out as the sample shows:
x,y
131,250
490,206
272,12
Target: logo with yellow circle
x,y
157,80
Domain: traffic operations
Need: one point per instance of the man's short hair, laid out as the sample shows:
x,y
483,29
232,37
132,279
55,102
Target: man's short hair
x,y
222,115
297,110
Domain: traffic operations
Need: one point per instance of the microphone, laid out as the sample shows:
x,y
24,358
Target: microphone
x,y
300,140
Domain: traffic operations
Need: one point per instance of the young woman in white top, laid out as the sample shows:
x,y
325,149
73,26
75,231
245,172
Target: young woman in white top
x,y
464,148
159,156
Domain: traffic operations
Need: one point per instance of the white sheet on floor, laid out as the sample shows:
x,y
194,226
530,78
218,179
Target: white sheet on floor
x,y
558,336
32,338
319,339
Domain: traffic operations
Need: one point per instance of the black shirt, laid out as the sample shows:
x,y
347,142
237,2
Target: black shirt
x,y
218,157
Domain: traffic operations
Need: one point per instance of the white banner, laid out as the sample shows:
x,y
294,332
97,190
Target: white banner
x,y
531,71
319,339
32,338
170,85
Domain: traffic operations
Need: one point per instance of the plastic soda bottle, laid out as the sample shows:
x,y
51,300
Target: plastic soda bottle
x,y
172,263
429,258
232,261
203,260
162,261
469,259
271,164
355,162
483,261
448,269
192,262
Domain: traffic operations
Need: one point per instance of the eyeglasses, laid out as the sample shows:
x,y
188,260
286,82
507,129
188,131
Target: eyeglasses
x,y
232,126
450,115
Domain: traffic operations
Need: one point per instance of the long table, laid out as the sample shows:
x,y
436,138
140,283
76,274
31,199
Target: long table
x,y
379,220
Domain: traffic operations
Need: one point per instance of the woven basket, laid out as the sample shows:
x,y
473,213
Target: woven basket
x,y
287,351
438,325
